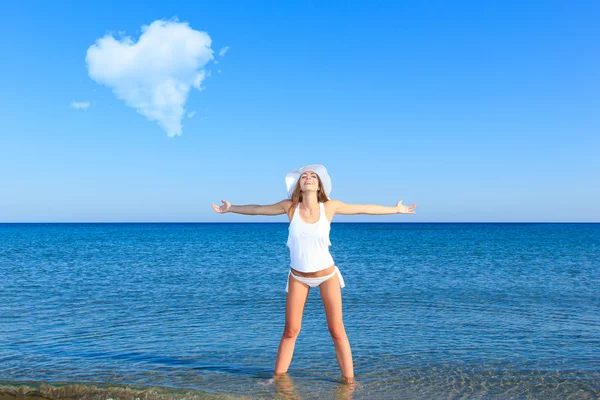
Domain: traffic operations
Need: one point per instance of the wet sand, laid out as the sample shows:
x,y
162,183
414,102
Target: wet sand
x,y
44,391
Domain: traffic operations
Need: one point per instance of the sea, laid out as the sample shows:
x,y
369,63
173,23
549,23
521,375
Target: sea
x,y
196,311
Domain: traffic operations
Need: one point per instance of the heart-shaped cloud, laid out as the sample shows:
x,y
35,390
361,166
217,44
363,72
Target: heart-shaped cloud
x,y
154,75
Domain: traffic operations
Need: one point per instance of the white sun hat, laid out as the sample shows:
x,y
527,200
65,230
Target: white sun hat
x,y
292,177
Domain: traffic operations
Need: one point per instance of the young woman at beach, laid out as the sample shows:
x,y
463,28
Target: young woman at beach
x,y
310,211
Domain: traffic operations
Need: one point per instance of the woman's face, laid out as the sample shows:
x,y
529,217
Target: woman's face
x,y
309,182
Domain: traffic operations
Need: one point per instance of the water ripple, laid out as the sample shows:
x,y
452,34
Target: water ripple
x,y
431,310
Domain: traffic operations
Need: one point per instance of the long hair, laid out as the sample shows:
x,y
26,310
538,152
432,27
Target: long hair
x,y
297,196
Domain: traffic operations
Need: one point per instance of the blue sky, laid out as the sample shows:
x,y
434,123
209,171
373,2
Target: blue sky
x,y
476,111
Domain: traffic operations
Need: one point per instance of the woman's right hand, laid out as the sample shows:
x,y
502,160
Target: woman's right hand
x,y
224,208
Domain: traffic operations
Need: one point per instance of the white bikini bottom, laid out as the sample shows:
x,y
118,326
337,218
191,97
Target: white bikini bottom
x,y
314,282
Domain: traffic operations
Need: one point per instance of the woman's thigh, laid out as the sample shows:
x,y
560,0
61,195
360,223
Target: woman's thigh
x,y
331,294
295,302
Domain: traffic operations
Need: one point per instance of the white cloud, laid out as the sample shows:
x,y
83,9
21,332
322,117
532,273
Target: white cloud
x,y
191,114
155,74
80,105
223,51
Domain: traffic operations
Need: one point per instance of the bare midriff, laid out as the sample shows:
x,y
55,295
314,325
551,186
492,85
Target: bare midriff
x,y
318,274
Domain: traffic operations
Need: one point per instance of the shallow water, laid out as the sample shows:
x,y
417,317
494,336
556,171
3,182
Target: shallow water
x,y
431,310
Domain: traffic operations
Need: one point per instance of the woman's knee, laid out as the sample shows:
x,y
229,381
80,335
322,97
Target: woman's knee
x,y
337,332
291,331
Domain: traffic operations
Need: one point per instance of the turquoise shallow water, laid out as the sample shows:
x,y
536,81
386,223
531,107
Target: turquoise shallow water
x,y
431,310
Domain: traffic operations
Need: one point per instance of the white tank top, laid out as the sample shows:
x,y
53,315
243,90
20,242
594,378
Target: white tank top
x,y
309,243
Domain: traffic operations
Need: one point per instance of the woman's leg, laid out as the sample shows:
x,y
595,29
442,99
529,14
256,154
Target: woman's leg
x,y
331,295
294,307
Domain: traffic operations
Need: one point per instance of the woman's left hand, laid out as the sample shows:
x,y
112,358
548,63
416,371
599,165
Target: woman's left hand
x,y
402,209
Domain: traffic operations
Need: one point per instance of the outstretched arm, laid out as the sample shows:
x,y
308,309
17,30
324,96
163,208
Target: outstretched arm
x,y
372,209
253,209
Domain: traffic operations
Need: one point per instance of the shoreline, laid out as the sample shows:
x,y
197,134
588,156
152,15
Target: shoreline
x,y
35,390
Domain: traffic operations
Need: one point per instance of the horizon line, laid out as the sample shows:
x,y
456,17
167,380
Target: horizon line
x,y
284,222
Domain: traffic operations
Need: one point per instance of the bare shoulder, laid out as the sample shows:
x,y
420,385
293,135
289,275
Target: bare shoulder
x,y
332,204
286,203
331,207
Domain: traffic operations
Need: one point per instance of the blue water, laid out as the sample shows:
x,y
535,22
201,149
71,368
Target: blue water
x,y
431,310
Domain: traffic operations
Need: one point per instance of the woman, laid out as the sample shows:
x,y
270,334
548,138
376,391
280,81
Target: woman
x,y
310,211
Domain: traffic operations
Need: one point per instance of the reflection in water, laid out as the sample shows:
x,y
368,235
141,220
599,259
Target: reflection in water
x,y
344,390
285,387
